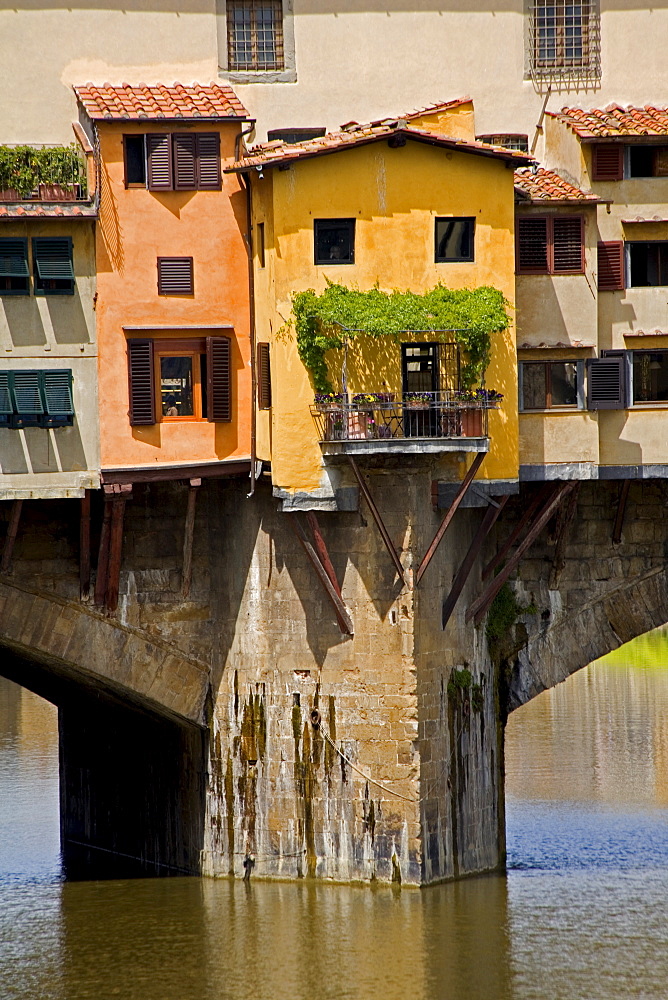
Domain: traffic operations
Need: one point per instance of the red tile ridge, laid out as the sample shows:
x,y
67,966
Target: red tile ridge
x,y
540,184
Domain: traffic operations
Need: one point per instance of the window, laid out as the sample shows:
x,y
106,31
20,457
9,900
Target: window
x,y
647,161
189,379
614,161
510,140
255,35
650,376
188,161
334,241
454,240
564,38
260,244
52,265
175,276
263,377
550,244
548,384
647,264
36,398
14,273
292,135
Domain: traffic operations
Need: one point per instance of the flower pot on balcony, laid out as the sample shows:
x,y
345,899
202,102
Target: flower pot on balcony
x,y
57,192
10,194
471,421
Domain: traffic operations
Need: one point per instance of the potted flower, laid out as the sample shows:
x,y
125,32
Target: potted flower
x,y
489,397
327,401
417,400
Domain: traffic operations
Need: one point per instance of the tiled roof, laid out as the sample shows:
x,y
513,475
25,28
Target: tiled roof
x,y
270,154
20,210
198,101
433,109
614,121
559,344
546,185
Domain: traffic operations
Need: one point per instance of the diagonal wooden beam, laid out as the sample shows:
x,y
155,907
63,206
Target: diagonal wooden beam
x,y
321,549
621,510
479,607
389,545
84,547
450,513
565,519
342,614
12,532
525,519
484,528
188,535
103,555
115,552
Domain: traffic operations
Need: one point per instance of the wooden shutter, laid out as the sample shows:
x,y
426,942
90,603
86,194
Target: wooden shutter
x,y
567,244
611,266
185,162
159,161
14,258
208,161
606,383
57,395
24,388
141,382
53,258
263,377
219,378
6,407
608,162
175,276
532,245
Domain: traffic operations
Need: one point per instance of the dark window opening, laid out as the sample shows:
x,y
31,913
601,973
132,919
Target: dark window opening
x,y
648,264
14,273
292,135
509,140
177,385
650,376
648,161
548,384
135,160
52,265
420,367
255,35
260,244
454,240
334,241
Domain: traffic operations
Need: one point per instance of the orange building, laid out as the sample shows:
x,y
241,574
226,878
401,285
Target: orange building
x,y
173,315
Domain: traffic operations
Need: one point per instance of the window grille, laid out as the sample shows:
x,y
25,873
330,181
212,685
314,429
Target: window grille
x,y
509,140
564,40
255,35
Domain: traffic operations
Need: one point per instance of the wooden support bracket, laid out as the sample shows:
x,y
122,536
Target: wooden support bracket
x,y
12,531
489,520
84,548
333,592
566,515
450,513
621,510
375,513
115,552
103,558
188,534
479,607
321,549
526,517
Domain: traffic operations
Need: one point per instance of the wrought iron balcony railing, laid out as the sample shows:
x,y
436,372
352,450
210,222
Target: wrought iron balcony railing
x,y
388,416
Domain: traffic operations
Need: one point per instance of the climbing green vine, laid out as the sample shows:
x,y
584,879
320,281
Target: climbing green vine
x,y
324,322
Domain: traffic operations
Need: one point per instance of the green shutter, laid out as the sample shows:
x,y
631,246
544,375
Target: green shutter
x,y
53,258
6,408
24,388
57,396
13,258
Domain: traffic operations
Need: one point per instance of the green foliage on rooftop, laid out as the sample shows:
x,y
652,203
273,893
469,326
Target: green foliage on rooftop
x,y
327,321
24,168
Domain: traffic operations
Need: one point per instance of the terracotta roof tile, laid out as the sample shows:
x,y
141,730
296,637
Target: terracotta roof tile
x,y
614,121
433,109
18,210
198,101
276,153
545,185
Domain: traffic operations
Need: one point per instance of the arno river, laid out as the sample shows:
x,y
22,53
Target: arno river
x,y
581,913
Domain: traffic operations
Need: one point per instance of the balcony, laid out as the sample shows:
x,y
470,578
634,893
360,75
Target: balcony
x,y
40,173
408,424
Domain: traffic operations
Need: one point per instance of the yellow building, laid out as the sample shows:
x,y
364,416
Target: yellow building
x,y
405,204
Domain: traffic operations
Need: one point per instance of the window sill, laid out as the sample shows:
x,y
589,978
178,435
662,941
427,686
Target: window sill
x,y
259,76
555,409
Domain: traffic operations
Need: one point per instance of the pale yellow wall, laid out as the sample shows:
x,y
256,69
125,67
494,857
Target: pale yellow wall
x,y
562,151
394,195
561,436
634,437
53,331
458,122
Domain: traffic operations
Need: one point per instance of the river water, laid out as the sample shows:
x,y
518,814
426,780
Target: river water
x,y
581,912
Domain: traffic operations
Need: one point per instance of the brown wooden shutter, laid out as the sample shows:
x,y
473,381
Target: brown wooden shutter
x,y
208,161
608,162
159,160
141,382
611,266
567,244
219,378
263,377
175,276
532,245
185,162
606,383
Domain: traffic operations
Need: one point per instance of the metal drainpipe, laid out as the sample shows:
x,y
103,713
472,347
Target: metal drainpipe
x,y
251,297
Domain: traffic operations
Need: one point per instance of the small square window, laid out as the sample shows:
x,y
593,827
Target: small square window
x,y
548,384
334,241
52,265
454,240
14,273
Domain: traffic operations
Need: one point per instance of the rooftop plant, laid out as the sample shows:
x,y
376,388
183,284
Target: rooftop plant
x,y
325,322
23,168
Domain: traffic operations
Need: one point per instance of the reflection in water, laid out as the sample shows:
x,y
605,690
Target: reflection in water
x,y
581,913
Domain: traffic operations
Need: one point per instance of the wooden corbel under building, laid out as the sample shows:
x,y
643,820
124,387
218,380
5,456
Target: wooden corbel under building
x,y
188,534
10,538
111,546
322,564
404,575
